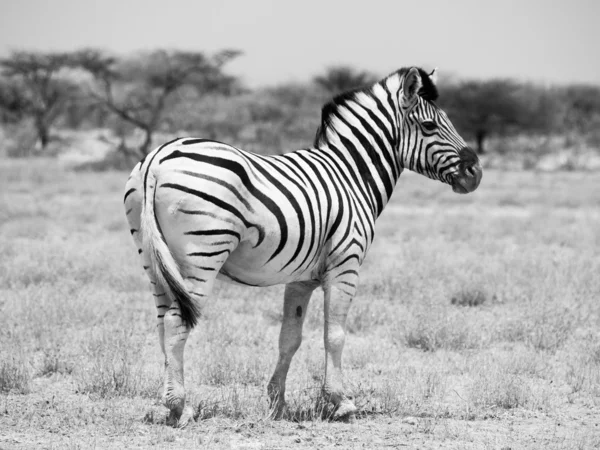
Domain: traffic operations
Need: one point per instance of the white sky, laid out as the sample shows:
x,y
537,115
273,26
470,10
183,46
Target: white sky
x,y
555,41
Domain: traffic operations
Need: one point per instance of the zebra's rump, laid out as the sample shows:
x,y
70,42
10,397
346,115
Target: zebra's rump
x,y
217,205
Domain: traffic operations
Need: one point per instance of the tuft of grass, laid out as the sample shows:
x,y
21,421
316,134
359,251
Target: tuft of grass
x,y
54,361
235,402
15,375
228,367
551,330
473,297
310,406
231,406
501,383
113,366
366,317
582,374
117,376
502,390
524,361
543,331
409,391
435,331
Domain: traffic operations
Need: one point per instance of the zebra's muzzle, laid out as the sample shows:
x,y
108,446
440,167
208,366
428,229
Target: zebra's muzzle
x,y
469,173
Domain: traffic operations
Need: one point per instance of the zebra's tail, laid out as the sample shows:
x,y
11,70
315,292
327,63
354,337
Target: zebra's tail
x,y
162,263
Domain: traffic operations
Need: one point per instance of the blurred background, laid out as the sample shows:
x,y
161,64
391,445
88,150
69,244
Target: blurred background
x,y
99,84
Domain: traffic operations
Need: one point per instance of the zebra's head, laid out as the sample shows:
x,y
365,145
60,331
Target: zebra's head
x,y
429,143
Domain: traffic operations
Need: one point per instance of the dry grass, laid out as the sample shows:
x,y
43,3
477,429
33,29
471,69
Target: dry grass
x,y
15,375
476,325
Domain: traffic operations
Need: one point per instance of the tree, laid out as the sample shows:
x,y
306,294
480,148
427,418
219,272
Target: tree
x,y
581,107
340,79
11,102
481,108
33,87
138,90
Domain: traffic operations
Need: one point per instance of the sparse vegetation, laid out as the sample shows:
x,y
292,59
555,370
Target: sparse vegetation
x,y
112,366
128,104
33,89
449,331
518,349
139,90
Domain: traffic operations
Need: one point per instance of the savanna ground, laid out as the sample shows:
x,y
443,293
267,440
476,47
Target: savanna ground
x,y
476,325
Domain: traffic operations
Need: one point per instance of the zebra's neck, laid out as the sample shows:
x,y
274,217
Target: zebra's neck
x,y
360,129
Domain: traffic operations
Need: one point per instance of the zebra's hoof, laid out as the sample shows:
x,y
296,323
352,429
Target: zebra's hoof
x,y
279,412
186,417
346,411
350,418
172,418
180,418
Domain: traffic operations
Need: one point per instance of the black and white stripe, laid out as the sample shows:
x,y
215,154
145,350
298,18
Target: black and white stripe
x,y
317,205
208,210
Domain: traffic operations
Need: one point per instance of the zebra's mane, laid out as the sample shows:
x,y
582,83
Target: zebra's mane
x,y
428,92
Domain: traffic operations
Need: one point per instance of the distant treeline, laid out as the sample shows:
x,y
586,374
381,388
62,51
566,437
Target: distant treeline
x,y
175,92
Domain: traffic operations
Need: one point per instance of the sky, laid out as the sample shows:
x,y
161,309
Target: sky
x,y
546,41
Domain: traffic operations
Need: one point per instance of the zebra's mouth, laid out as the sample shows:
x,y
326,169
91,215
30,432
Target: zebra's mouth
x,y
466,182
468,176
458,187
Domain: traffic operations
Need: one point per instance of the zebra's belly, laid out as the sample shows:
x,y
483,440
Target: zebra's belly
x,y
241,268
244,278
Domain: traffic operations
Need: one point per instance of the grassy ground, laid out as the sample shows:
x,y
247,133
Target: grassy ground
x,y
477,325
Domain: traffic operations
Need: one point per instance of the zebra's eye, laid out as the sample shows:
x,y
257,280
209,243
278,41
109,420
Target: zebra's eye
x,y
429,125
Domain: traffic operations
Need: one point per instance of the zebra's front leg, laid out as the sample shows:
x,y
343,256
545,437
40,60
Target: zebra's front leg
x,y
338,297
296,298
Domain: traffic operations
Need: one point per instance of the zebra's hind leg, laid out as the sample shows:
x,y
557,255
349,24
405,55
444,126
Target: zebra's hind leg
x,y
338,297
178,415
296,298
171,344
163,302
176,333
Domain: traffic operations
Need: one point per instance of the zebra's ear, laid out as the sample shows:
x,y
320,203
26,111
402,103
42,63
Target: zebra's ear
x,y
433,76
411,86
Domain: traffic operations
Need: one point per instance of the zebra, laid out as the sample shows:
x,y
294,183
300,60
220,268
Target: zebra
x,y
201,210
